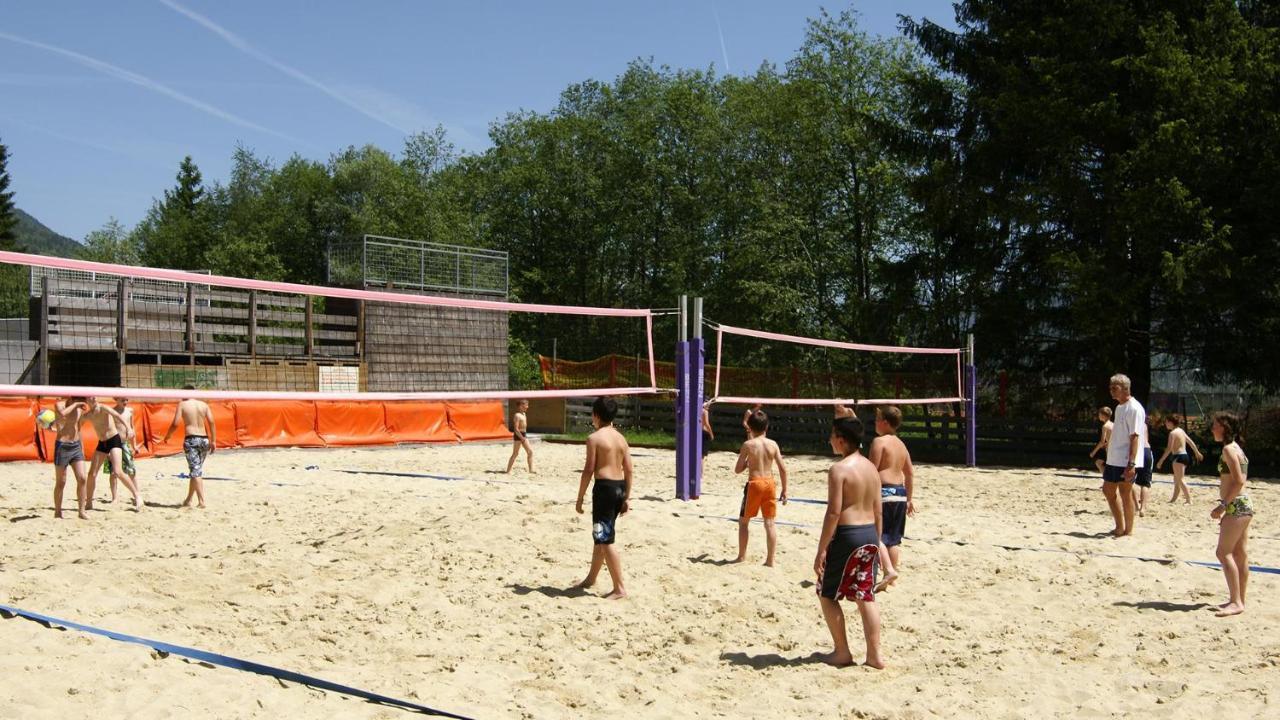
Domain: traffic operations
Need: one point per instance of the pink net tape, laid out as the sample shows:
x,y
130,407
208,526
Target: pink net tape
x,y
735,400
14,258
837,344
171,394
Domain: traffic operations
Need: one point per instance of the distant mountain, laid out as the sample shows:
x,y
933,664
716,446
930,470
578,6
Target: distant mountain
x,y
38,239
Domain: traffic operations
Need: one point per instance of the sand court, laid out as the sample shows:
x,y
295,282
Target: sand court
x,y
453,594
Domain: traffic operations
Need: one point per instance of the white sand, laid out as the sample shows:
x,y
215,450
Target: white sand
x,y
448,593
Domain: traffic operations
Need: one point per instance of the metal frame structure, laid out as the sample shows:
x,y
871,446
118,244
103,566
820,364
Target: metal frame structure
x,y
380,261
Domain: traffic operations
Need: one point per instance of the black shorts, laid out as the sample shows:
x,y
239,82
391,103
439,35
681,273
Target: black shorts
x,y
1142,475
106,446
1113,473
852,557
706,443
1183,458
606,502
894,522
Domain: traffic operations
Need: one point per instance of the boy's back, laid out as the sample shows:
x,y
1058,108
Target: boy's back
x,y
891,457
760,453
193,414
611,452
860,490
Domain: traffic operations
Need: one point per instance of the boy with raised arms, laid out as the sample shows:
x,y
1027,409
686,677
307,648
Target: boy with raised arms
x,y
848,547
609,462
759,454
69,452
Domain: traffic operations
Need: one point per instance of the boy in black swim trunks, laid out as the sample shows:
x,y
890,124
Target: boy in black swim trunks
x,y
849,546
520,426
608,457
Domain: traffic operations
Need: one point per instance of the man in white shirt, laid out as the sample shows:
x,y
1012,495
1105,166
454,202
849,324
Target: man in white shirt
x,y
1125,456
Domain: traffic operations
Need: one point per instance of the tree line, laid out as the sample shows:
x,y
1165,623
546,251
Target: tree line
x,y
1087,187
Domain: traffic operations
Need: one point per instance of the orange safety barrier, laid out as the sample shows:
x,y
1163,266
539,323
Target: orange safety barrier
x,y
352,423
271,423
274,423
478,421
418,422
18,429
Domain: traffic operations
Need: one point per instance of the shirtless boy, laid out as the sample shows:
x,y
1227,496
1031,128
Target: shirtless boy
x,y
608,458
520,426
111,430
130,446
68,451
1099,451
1178,446
201,439
759,454
897,476
848,547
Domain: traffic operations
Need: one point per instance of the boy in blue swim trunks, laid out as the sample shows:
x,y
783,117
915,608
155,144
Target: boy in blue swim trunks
x,y
849,545
609,462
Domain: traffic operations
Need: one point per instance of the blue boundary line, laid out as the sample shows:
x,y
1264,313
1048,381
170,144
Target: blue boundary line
x,y
230,662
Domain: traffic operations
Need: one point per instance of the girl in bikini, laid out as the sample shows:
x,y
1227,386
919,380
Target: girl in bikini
x,y
1233,511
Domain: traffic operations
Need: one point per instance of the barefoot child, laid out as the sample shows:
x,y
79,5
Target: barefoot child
x,y
897,476
130,446
848,547
111,430
608,458
1099,452
1233,512
520,426
760,454
199,442
68,451
1179,443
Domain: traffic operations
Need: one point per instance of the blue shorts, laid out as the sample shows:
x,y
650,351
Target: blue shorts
x,y
1183,458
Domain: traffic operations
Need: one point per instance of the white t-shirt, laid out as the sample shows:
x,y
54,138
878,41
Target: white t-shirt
x,y
1130,419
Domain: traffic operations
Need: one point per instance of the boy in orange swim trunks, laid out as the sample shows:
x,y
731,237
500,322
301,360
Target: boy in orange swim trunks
x,y
760,454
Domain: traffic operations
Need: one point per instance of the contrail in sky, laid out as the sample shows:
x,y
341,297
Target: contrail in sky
x,y
723,52
243,46
120,73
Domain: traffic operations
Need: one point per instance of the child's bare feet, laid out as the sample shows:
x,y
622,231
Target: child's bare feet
x,y
886,581
1230,609
616,594
876,663
584,585
82,516
768,563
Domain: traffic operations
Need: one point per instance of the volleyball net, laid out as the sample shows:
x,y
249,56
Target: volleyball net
x,y
759,367
96,329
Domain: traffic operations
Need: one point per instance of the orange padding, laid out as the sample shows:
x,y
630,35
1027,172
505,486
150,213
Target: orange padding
x,y
419,422
478,421
268,423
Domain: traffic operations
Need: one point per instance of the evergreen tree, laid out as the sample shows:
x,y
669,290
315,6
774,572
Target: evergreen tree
x,y
178,230
8,239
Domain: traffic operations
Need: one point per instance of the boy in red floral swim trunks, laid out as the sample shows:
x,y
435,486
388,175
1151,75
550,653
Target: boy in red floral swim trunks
x,y
848,549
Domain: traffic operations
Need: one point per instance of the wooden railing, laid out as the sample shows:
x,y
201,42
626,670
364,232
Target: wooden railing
x,y
101,315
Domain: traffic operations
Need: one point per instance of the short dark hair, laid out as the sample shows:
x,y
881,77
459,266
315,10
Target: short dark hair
x,y
890,414
1173,419
848,429
188,386
758,421
605,408
1232,428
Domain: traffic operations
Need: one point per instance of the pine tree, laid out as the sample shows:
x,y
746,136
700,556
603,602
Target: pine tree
x,y
8,239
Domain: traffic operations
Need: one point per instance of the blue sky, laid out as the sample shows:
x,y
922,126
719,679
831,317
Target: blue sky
x,y
99,101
